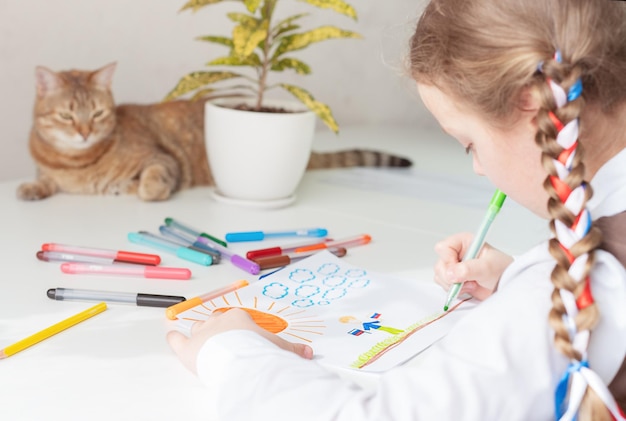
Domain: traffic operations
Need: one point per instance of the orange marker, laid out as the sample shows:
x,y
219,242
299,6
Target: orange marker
x,y
172,312
346,242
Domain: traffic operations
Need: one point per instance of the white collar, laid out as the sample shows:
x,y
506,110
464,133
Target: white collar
x,y
609,188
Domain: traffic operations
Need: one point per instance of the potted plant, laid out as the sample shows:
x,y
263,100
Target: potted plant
x,y
258,148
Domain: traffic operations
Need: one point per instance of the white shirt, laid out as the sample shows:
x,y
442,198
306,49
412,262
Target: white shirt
x,y
498,363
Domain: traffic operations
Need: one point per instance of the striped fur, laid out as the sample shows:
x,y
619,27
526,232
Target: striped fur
x,y
82,143
355,158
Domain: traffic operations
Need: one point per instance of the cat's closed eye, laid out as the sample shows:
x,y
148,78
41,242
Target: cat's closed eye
x,y
66,116
97,114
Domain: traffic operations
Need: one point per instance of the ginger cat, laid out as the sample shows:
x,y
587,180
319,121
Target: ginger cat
x,y
83,143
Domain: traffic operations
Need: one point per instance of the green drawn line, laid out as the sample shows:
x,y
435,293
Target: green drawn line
x,y
383,346
365,358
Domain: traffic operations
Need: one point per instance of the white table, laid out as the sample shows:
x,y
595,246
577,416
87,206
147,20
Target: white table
x,y
117,365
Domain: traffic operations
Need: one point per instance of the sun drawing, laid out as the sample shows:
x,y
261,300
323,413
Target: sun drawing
x,y
275,318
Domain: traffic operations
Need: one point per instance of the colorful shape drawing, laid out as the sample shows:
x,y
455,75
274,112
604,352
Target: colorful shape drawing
x,y
315,301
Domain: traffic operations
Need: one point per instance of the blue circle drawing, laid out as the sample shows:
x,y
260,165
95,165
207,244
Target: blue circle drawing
x,y
301,275
359,283
334,281
275,290
355,273
334,293
307,291
328,269
305,302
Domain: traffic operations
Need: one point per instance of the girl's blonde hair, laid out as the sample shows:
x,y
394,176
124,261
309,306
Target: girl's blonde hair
x,y
486,54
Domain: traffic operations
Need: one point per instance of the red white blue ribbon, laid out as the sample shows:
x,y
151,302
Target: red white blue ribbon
x,y
578,376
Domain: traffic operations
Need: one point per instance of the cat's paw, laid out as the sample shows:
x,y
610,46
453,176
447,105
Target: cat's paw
x,y
155,184
33,191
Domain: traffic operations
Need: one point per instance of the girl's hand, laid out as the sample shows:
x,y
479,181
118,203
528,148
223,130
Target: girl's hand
x,y
480,276
187,349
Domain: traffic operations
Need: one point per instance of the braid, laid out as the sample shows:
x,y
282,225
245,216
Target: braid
x,y
574,313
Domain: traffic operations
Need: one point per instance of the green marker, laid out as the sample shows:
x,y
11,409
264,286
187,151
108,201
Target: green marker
x,y
171,222
479,239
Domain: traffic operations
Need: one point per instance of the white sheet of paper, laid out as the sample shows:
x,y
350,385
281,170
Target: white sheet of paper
x,y
352,317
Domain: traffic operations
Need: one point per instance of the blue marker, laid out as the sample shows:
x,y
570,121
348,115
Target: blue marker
x,y
173,248
171,222
241,262
263,235
188,240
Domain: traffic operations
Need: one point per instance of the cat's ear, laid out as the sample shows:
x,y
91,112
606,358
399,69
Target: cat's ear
x,y
46,80
104,76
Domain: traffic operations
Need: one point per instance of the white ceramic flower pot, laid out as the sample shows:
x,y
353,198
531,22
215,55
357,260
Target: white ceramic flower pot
x,y
257,158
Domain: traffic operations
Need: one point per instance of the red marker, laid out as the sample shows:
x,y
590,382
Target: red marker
x,y
276,251
117,255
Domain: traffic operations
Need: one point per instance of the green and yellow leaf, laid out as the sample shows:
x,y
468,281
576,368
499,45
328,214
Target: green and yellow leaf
x,y
335,5
288,21
196,5
285,29
217,40
202,93
304,39
252,60
319,108
252,5
291,63
246,38
243,19
197,80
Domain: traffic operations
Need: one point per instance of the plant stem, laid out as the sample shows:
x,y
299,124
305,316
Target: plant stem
x,y
269,10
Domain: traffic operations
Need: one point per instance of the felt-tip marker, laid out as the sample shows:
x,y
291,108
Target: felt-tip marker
x,y
154,272
269,262
275,251
139,299
264,235
173,311
237,260
117,255
173,248
479,239
57,256
188,240
345,242
171,222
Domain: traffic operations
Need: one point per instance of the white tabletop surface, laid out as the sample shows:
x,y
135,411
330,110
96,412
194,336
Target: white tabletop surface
x,y
117,365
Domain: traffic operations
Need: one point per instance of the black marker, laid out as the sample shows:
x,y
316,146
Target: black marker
x,y
146,300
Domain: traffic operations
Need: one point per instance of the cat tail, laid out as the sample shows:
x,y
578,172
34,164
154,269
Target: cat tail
x,y
356,158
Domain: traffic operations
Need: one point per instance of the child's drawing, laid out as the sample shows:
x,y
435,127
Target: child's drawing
x,y
351,317
369,326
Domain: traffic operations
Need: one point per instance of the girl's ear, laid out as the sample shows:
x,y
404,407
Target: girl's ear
x,y
528,99
104,76
45,80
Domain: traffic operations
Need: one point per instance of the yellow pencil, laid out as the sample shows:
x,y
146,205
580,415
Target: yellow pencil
x,y
52,330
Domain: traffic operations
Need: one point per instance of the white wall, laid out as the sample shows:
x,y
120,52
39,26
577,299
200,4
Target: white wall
x,y
362,80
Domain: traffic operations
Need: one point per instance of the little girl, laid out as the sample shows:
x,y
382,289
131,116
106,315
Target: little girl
x,y
535,90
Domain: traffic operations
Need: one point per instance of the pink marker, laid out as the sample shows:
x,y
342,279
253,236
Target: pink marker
x,y
117,255
346,242
158,272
